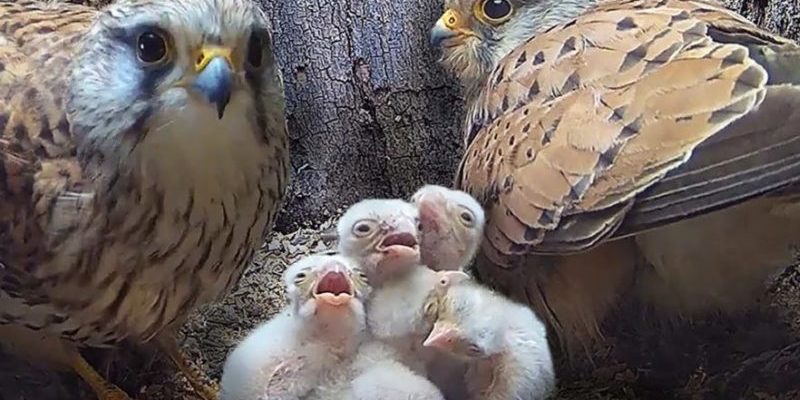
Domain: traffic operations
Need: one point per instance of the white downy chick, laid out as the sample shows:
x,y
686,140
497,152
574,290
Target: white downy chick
x,y
402,313
376,373
319,330
382,376
504,344
452,224
382,235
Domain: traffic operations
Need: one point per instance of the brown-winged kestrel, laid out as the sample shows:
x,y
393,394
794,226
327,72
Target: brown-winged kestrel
x,y
642,145
143,157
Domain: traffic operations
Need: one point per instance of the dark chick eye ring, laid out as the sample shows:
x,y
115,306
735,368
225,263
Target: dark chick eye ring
x,y
362,228
151,47
496,10
467,217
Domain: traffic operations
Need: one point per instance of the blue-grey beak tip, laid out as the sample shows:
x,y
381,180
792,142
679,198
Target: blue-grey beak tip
x,y
436,39
215,83
440,33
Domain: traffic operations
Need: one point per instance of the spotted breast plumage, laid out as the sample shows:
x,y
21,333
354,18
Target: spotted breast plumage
x,y
143,157
626,146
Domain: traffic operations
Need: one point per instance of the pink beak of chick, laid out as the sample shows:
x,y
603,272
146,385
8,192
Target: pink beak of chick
x,y
334,288
431,211
442,337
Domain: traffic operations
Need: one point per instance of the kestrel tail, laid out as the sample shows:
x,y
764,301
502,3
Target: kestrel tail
x,y
143,157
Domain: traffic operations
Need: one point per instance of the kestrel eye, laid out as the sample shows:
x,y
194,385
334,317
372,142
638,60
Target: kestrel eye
x,y
497,10
255,50
151,47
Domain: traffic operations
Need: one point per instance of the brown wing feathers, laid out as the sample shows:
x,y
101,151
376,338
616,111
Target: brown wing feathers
x,y
755,155
37,155
581,119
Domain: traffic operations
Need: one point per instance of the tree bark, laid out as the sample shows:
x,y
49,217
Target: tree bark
x,y
779,16
370,112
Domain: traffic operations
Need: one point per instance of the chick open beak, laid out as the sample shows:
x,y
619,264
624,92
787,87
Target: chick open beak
x,y
443,336
450,25
215,76
399,245
334,288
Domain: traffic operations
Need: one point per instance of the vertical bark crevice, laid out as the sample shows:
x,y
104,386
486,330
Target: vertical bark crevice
x,y
370,113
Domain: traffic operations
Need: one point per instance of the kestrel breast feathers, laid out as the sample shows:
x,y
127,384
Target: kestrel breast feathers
x,y
645,146
143,157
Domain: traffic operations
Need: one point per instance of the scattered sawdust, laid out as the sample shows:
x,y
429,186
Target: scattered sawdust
x,y
753,356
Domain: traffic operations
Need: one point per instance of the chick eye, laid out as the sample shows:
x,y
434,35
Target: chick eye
x,y
255,50
496,10
300,277
467,217
362,228
151,47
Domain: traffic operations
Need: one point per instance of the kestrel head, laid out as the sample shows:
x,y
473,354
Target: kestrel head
x,y
174,76
474,35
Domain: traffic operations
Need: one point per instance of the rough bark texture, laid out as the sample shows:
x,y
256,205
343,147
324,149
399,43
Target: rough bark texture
x,y
780,16
370,112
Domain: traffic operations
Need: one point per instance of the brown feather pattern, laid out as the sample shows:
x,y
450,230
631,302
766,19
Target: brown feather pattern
x,y
575,123
95,252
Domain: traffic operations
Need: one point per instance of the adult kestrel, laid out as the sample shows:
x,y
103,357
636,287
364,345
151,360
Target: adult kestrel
x,y
645,145
143,158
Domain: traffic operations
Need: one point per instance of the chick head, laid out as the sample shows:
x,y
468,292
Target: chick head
x,y
467,325
451,224
329,284
382,235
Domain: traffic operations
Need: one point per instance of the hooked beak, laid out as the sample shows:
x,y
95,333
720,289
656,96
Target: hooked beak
x,y
215,76
448,27
443,336
399,247
431,211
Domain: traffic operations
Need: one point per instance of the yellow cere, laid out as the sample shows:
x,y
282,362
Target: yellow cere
x,y
208,53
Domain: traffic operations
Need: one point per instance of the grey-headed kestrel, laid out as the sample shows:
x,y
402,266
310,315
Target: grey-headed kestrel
x,y
644,146
143,157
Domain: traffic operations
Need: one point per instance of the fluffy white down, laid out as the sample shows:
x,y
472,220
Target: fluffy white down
x,y
248,367
277,344
520,366
376,373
